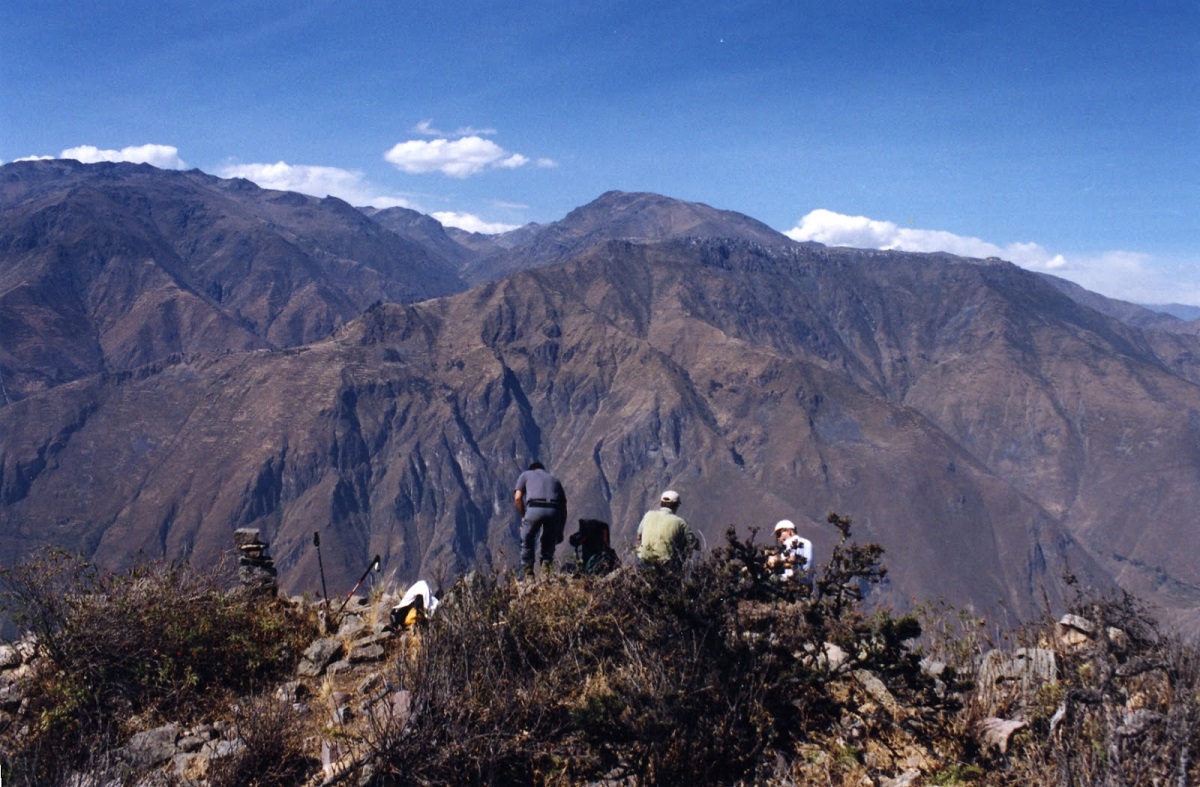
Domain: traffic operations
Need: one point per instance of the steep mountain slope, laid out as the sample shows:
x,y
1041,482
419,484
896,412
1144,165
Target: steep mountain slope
x,y
760,384
989,430
109,266
1085,416
426,232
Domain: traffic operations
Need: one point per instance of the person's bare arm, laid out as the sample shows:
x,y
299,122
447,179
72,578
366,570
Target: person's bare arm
x,y
519,501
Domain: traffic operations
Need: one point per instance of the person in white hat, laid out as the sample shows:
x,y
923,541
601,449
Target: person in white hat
x,y
795,553
663,535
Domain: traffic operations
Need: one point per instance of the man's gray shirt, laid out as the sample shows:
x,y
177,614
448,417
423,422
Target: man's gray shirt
x,y
540,485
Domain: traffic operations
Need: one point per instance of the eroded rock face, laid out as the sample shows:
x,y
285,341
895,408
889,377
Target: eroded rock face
x,y
9,657
152,748
1021,671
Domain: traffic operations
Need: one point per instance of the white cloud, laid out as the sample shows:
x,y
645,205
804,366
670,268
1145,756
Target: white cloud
x,y
317,181
350,186
1126,275
472,223
162,156
425,128
837,229
458,158
1134,276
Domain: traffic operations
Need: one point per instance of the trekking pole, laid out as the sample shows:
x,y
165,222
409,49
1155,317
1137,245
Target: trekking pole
x,y
373,567
321,565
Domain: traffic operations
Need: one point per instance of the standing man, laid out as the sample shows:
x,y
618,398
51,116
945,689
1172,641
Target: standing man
x,y
542,505
662,535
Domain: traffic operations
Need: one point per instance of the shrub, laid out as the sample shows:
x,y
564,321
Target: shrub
x,y
272,751
1124,709
1130,707
158,641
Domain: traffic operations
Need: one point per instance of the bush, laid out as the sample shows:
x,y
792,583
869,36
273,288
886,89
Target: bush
x,y
156,642
272,751
714,672
1129,703
1123,709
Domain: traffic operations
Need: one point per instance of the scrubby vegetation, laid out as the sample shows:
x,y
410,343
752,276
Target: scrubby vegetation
x,y
714,672
119,652
656,675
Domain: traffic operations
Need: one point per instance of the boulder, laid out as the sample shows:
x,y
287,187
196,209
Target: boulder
x,y
996,732
318,656
9,657
151,748
1030,667
876,690
909,778
1073,631
339,667
366,653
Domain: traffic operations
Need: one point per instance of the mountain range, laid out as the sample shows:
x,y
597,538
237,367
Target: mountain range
x,y
183,355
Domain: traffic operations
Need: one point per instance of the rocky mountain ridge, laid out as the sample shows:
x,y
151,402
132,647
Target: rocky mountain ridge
x,y
110,266
968,414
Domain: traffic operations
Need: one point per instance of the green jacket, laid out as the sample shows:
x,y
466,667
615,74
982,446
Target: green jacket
x,y
663,535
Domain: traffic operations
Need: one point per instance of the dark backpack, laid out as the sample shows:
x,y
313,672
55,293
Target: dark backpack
x,y
593,554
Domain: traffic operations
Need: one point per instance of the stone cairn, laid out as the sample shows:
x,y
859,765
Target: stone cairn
x,y
256,569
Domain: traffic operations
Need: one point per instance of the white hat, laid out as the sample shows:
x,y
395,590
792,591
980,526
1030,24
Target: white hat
x,y
670,497
784,524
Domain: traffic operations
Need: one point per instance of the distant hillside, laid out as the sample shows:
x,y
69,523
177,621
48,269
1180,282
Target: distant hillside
x,y
427,232
1182,311
105,267
1170,319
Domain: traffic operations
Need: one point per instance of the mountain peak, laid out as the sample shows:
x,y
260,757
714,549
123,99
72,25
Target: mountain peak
x,y
624,216
649,216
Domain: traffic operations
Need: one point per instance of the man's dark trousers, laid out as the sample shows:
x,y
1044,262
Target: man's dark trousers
x,y
543,520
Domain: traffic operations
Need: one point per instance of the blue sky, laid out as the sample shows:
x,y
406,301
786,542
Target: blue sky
x,y
1063,136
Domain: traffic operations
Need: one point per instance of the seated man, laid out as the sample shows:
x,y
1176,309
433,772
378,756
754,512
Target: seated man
x,y
794,558
662,535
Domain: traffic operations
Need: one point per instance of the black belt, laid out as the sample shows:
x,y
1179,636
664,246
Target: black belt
x,y
542,504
